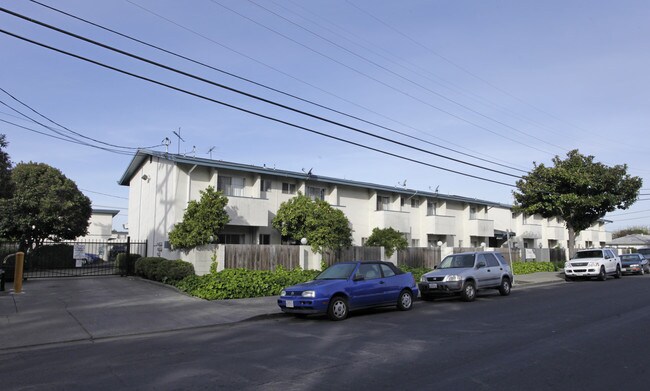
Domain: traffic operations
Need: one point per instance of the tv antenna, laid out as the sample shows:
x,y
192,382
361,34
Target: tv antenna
x,y
179,139
402,184
166,141
436,189
307,172
210,151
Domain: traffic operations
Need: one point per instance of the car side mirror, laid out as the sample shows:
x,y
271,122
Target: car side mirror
x,y
435,266
358,277
480,265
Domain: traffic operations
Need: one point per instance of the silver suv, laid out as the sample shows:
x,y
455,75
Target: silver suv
x,y
463,274
594,262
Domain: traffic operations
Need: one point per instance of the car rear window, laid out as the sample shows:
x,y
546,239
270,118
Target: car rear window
x,y
630,257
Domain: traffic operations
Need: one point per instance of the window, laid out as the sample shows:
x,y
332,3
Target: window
x,y
388,272
415,242
231,239
265,239
315,193
369,271
414,202
231,186
383,203
491,260
431,208
265,185
402,201
472,213
524,217
288,188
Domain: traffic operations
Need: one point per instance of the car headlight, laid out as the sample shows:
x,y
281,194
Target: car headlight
x,y
452,278
423,278
567,265
283,293
311,294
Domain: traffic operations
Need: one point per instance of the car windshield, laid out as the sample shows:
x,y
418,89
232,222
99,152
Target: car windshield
x,y
457,261
630,257
339,271
644,251
589,254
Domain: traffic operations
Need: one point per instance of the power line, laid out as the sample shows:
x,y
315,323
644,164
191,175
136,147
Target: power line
x,y
271,88
104,194
629,213
249,111
249,95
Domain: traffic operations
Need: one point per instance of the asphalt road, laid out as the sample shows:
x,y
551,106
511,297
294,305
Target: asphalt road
x,y
569,336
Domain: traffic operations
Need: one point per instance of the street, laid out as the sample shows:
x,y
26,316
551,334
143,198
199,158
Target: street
x,y
586,335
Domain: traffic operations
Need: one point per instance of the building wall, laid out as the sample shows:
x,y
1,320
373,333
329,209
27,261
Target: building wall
x,y
160,190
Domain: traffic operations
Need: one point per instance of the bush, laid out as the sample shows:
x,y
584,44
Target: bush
x,y
53,256
243,283
126,265
532,267
416,271
163,270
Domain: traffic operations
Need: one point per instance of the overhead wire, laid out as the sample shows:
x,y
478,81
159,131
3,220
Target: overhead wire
x,y
260,115
246,94
272,88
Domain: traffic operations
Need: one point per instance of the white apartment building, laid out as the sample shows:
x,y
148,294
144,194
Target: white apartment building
x,y
161,185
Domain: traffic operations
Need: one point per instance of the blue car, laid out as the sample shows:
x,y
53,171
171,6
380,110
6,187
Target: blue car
x,y
348,286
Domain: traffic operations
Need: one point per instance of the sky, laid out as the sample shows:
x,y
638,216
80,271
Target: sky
x,y
459,96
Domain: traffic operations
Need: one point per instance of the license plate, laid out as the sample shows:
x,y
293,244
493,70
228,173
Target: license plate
x,y
433,286
289,303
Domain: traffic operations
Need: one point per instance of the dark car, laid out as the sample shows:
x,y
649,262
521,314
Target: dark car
x,y
348,286
634,263
645,252
464,273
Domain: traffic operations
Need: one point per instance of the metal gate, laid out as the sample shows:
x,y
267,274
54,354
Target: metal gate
x,y
71,259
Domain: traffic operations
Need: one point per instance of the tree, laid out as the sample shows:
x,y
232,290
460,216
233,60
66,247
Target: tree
x,y
641,230
578,190
324,227
202,220
45,205
6,184
388,238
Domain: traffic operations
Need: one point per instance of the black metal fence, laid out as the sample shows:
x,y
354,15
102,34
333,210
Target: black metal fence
x,y
70,259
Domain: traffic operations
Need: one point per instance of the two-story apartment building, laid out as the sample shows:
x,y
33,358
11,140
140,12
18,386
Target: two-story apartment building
x,y
161,185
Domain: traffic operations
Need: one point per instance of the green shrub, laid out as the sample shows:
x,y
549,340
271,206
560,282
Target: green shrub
x,y
243,283
163,270
126,265
53,256
416,271
532,267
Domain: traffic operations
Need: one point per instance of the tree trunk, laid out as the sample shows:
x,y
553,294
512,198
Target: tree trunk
x,y
572,240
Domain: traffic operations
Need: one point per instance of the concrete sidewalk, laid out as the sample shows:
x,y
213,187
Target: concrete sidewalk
x,y
52,311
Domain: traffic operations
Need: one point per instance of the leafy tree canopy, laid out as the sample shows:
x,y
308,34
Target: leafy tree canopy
x,y
324,227
6,184
202,221
388,238
45,205
577,189
631,231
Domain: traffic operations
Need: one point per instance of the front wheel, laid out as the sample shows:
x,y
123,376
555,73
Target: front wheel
x,y
504,288
469,291
405,301
618,272
338,308
568,279
602,276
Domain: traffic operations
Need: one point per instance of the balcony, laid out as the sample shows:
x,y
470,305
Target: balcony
x,y
249,212
390,218
480,227
531,231
440,225
556,233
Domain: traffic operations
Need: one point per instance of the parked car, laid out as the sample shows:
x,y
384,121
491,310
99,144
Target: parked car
x,y
645,252
349,286
463,274
634,263
595,262
90,259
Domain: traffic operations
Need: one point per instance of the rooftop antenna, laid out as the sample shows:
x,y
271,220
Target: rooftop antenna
x,y
210,151
193,151
179,139
307,172
402,184
166,141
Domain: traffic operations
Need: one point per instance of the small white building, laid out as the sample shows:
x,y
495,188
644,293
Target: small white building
x,y
101,225
161,185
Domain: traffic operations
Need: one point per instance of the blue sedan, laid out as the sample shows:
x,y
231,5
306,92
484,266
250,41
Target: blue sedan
x,y
348,286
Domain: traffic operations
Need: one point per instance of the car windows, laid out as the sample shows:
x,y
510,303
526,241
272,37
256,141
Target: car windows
x,y
388,272
501,259
589,254
339,271
630,257
369,271
491,260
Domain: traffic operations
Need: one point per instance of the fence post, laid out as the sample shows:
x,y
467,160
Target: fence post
x,y
128,256
18,272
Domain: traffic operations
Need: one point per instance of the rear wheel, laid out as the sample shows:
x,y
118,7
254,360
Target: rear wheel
x,y
338,308
469,291
405,301
602,276
504,288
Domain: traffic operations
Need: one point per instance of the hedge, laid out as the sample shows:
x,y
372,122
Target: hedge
x,y
125,265
243,283
163,270
532,267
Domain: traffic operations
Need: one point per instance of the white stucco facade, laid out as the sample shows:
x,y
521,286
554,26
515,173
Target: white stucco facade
x,y
161,185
